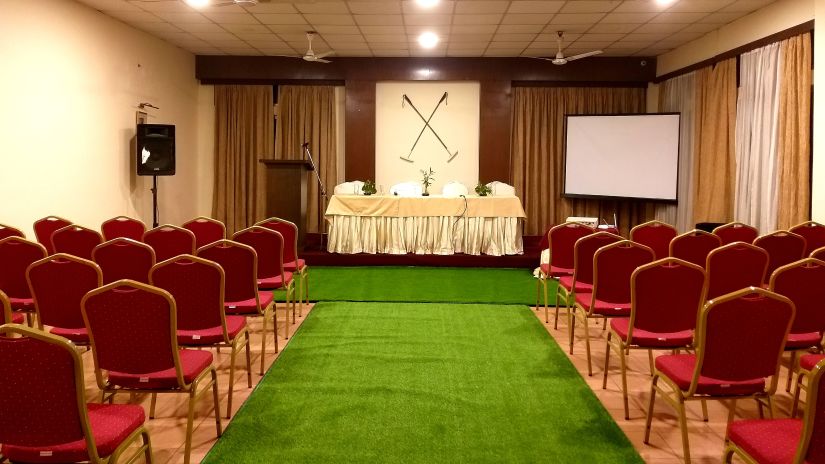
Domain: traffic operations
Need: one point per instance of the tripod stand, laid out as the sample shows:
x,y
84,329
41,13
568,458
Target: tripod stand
x,y
321,189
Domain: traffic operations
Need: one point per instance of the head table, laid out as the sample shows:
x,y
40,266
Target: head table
x,y
425,225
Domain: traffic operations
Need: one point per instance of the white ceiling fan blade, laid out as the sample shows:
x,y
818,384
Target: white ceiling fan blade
x,y
325,54
321,60
289,56
584,55
540,58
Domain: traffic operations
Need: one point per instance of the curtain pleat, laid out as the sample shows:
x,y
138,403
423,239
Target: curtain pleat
x,y
307,114
538,153
794,148
715,163
244,132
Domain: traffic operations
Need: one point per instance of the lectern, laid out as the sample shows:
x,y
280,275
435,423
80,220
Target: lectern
x,y
286,192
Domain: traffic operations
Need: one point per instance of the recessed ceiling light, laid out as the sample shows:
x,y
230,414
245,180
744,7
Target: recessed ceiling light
x,y
197,3
428,39
427,3
665,2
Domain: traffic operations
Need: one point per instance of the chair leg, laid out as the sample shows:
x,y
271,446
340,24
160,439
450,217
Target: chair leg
x,y
623,363
650,360
585,323
152,403
684,429
248,363
606,361
306,286
771,407
727,456
263,344
556,322
796,393
190,418
538,291
790,372
704,410
147,453
604,324
731,411
571,323
649,418
231,377
216,402
760,408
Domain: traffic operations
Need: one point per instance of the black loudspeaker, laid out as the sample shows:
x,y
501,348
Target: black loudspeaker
x,y
155,150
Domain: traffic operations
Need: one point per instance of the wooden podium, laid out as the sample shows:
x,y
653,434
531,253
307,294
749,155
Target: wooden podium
x,y
286,192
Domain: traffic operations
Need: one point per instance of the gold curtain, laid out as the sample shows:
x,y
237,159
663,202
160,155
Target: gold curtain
x,y
794,150
307,114
537,158
244,132
714,155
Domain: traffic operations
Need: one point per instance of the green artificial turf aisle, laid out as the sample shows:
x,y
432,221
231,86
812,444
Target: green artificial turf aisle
x,y
422,383
424,284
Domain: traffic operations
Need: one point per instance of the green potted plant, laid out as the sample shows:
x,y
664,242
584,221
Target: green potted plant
x,y
427,180
369,187
483,190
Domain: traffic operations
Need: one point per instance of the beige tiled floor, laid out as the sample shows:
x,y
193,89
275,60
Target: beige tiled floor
x,y
167,430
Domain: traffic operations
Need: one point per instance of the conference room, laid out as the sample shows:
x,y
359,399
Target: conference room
x,y
411,231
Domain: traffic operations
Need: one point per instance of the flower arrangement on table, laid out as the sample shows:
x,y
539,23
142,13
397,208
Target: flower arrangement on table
x,y
427,180
483,190
369,187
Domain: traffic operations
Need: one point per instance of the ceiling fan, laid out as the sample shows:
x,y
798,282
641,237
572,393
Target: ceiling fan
x,y
560,59
310,55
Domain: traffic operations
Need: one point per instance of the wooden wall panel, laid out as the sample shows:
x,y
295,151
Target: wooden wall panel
x,y
360,130
494,132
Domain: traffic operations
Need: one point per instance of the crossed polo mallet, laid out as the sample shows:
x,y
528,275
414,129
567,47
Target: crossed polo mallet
x,y
427,125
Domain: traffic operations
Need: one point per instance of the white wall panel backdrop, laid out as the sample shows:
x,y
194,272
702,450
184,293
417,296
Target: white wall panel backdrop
x,y
397,126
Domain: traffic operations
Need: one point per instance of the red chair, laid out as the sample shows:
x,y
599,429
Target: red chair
x,y
197,286
807,363
739,342
241,295
819,253
582,278
560,239
613,265
269,245
814,234
16,254
783,440
169,241
656,235
8,316
124,258
783,248
132,327
44,228
206,230
735,266
736,232
46,417
9,231
665,299
58,283
803,282
292,263
694,246
123,226
76,240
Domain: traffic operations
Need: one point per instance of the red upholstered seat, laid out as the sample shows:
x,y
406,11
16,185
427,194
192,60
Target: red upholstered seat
x,y
110,423
17,318
808,361
294,266
679,368
802,340
567,283
605,308
646,338
21,304
553,271
192,363
249,305
212,335
274,282
79,336
767,441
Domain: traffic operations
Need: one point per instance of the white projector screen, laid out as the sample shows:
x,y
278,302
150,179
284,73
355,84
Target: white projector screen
x,y
622,156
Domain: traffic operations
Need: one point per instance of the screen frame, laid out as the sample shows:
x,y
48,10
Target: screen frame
x,y
564,193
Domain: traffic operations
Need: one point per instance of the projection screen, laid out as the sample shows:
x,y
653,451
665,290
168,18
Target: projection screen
x,y
622,156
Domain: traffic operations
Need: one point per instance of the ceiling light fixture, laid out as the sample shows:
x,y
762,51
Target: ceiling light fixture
x,y
665,2
427,3
428,40
197,3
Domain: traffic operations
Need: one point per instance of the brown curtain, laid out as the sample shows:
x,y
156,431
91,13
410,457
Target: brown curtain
x,y
307,114
538,153
794,150
714,155
244,132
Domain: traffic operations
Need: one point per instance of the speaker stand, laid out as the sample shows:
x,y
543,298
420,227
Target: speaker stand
x,y
154,190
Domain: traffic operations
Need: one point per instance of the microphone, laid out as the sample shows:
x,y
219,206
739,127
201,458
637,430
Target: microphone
x,y
305,144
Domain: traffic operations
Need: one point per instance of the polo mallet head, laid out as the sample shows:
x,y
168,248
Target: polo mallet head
x,y
453,156
407,159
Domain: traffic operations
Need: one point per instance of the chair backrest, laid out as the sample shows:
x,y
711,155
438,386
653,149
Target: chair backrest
x,y
783,248
76,240
584,251
240,268
819,253
269,245
169,241
206,230
42,396
5,306
132,329
741,336
694,246
9,231
57,284
289,231
814,234
736,232
803,282
16,254
197,286
735,266
613,265
812,442
124,258
562,239
123,226
44,228
656,235
666,296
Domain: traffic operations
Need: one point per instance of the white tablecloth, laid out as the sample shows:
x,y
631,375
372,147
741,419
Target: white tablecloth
x,y
425,225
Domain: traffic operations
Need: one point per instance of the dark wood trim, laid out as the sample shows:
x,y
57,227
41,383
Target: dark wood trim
x,y
495,121
781,35
640,85
359,127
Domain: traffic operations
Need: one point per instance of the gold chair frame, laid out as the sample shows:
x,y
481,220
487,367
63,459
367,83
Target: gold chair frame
x,y
75,227
45,254
15,231
735,225
5,306
818,251
653,223
161,227
205,219
303,273
119,219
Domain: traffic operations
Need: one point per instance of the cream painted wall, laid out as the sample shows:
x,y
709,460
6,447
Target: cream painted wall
x,y
70,82
206,149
